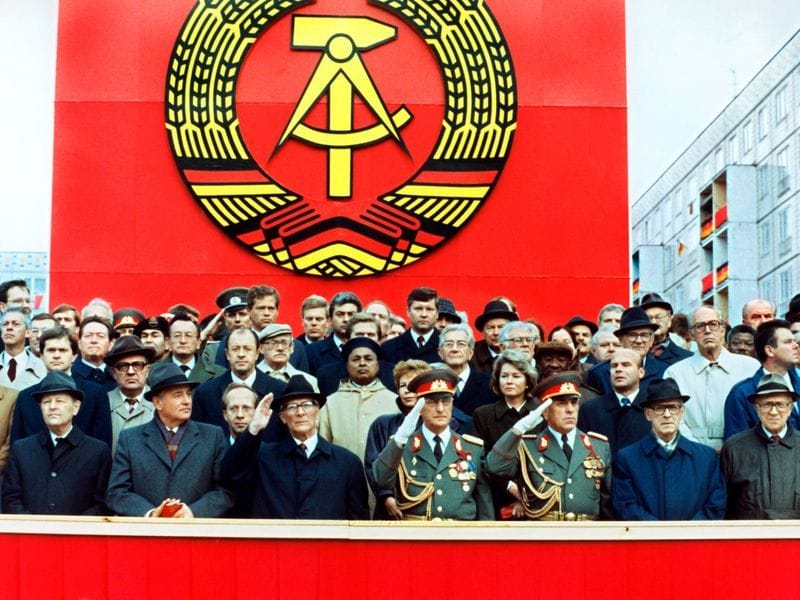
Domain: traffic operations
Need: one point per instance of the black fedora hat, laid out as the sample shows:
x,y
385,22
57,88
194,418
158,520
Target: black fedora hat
x,y
166,375
654,300
495,309
54,382
128,345
579,320
634,318
662,389
299,388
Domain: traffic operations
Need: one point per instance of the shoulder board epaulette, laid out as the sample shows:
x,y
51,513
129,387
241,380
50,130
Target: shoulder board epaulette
x,y
529,436
472,439
597,436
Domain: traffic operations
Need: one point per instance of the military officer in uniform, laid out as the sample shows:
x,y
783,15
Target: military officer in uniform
x,y
562,474
436,473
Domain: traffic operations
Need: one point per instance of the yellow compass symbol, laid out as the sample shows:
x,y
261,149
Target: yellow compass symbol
x,y
339,73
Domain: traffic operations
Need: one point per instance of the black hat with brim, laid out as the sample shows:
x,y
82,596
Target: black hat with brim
x,y
496,309
579,320
299,388
662,389
167,375
56,382
634,318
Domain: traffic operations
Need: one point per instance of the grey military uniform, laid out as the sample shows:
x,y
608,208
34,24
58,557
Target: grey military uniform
x,y
455,488
552,488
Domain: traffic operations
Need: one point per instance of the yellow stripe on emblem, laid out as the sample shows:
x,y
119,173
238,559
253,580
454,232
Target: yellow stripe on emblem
x,y
444,191
246,189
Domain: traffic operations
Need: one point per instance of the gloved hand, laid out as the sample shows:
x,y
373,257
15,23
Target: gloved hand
x,y
409,424
532,419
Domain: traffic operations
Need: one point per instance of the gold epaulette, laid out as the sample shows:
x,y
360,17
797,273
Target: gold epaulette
x,y
529,436
597,436
472,439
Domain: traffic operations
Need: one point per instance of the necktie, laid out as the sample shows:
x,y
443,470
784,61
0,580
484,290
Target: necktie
x,y
185,369
12,369
131,405
566,447
61,439
776,439
420,341
437,448
626,402
303,450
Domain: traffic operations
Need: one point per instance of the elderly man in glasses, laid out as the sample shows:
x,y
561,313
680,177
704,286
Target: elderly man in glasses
x,y
707,377
326,482
276,345
760,464
664,476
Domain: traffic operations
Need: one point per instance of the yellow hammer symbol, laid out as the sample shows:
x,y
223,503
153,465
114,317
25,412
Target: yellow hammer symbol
x,y
338,73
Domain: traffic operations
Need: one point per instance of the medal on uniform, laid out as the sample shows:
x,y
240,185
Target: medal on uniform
x,y
452,472
465,487
414,461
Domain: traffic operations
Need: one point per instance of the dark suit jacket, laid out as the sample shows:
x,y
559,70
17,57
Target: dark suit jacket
x,y
405,346
331,374
740,414
477,392
622,426
71,482
599,376
482,359
207,401
93,418
83,372
321,353
330,484
143,474
670,352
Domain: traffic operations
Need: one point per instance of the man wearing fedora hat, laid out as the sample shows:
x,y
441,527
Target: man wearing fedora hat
x,y
659,311
582,331
562,473
60,470
129,361
760,464
436,473
496,314
707,377
170,462
664,476
447,313
635,332
302,476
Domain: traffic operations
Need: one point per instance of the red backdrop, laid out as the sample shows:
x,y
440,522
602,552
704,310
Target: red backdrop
x,y
553,234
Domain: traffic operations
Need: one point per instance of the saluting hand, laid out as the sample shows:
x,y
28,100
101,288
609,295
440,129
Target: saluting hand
x,y
409,424
261,416
532,419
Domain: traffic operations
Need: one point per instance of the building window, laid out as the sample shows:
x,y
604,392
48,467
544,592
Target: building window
x,y
733,150
781,104
785,279
762,126
783,225
765,238
782,163
763,181
719,160
767,290
747,137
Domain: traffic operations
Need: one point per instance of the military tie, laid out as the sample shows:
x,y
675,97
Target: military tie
x,y
566,447
12,369
626,402
437,448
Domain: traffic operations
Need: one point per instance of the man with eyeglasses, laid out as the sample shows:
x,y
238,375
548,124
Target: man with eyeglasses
x,y
659,311
436,473
326,481
664,476
129,361
184,346
636,333
456,346
520,336
760,464
277,346
707,378
779,353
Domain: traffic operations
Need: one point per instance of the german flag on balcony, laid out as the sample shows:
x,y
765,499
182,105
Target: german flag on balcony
x,y
708,282
722,273
707,228
721,216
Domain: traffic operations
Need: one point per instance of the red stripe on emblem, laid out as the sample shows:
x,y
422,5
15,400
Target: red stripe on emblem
x,y
456,177
251,176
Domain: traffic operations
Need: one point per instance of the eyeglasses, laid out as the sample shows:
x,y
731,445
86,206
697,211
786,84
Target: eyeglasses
x,y
522,339
123,367
455,344
278,343
637,335
661,409
710,325
293,407
768,406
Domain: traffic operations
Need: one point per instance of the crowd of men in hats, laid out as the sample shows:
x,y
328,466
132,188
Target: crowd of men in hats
x,y
642,414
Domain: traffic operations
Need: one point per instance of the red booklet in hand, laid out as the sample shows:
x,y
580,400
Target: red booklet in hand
x,y
170,508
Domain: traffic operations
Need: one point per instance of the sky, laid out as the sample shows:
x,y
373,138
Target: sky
x,y
686,60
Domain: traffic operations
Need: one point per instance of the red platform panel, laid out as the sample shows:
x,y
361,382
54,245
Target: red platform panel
x,y
552,235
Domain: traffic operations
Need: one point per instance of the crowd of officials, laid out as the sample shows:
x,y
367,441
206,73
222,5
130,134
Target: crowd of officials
x,y
641,414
